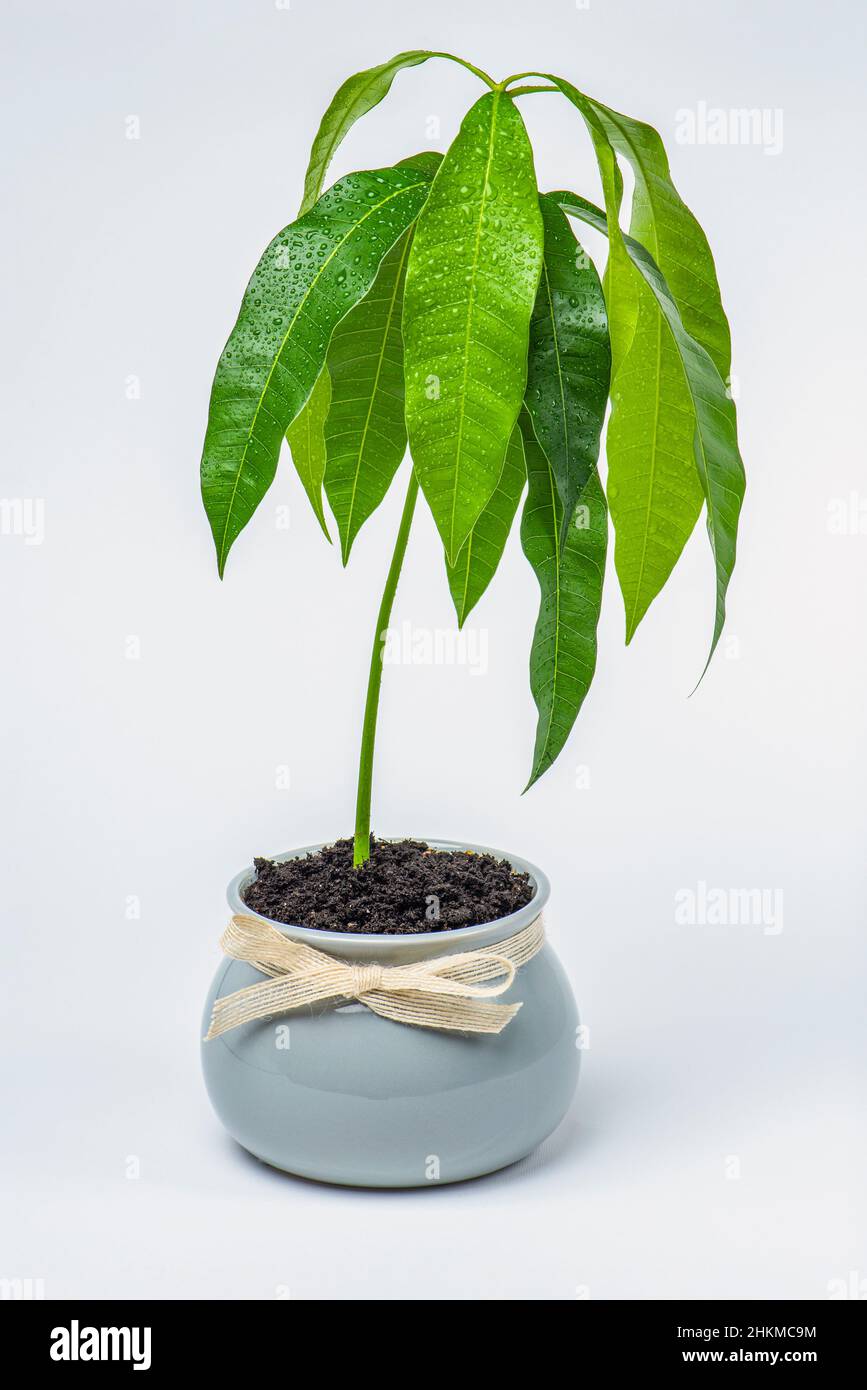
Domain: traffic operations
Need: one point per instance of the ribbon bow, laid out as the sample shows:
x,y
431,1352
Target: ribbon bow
x,y
444,992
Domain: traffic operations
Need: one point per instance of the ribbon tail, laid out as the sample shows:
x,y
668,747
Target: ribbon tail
x,y
269,997
440,1011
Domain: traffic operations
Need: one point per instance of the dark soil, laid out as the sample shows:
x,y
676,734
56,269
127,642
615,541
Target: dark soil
x,y
404,887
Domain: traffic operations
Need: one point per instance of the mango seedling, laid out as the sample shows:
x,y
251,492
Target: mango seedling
x,y
444,303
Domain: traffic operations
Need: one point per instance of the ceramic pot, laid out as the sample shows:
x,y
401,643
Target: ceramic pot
x,y
339,1094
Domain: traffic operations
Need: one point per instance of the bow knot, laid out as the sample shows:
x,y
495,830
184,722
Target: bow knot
x,y
365,979
446,992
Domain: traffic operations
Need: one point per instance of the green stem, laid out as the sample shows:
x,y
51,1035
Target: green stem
x,y
361,850
518,77
526,91
470,67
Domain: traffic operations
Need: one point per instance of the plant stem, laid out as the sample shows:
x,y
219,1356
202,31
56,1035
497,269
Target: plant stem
x,y
361,850
526,91
518,76
470,67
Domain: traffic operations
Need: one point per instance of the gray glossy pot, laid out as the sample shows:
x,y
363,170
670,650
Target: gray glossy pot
x,y
342,1095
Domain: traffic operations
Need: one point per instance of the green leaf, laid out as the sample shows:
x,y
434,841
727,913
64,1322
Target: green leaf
x,y
353,99
372,416
653,487
569,362
306,439
480,554
662,222
470,287
622,289
720,469
312,273
654,492
426,161
570,570
366,431
357,95
715,423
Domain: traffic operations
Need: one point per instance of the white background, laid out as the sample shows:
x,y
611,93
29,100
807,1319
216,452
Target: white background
x,y
156,779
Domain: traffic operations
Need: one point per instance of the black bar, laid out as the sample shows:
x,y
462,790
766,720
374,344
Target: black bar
x,y
249,1337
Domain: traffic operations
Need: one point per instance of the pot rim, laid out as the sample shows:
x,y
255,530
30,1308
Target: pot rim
x,y
465,936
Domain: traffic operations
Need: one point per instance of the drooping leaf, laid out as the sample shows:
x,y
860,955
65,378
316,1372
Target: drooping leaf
x,y
717,458
653,489
306,439
654,492
715,446
470,287
481,552
622,288
353,99
356,96
367,402
647,549
661,221
570,569
366,431
629,251
569,361
312,273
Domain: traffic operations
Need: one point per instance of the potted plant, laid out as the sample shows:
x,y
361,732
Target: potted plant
x,y
389,1013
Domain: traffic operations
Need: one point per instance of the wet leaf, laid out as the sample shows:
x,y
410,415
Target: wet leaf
x,y
471,284
715,446
661,222
352,100
654,492
306,439
569,364
313,273
366,431
570,568
482,550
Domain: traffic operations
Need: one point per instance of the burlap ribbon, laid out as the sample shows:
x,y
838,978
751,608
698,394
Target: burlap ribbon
x,y
444,992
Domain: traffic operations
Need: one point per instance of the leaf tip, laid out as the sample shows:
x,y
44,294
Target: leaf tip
x,y
633,620
535,774
717,634
703,674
